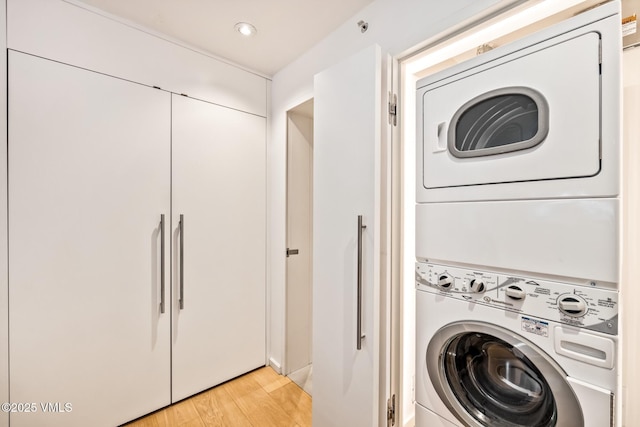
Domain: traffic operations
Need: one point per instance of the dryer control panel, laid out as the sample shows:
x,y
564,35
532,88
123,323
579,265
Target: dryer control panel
x,y
581,306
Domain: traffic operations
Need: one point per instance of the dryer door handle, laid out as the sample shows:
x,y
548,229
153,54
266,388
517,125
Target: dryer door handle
x,y
441,138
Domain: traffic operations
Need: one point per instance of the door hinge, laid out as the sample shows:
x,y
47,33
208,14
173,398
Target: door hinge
x,y
393,109
292,252
391,411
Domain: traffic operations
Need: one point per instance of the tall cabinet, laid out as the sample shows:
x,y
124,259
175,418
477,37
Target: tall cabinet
x,y
101,171
89,178
219,192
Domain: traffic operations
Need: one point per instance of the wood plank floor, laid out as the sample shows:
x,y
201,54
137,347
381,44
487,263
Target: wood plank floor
x,y
261,398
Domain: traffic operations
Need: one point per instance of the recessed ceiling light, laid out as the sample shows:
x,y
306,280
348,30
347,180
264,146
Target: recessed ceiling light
x,y
246,29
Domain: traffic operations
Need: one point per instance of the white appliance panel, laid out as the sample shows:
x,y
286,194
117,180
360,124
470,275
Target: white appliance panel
x,y
598,401
587,307
571,238
425,417
567,76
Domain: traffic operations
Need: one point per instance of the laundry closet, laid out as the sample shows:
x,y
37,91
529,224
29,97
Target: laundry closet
x,y
526,231
136,197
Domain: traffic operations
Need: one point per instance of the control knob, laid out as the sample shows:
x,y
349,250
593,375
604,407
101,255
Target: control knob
x,y
572,305
445,281
515,292
477,286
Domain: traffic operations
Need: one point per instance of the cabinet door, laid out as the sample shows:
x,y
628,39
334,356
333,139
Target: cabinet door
x,y
218,182
89,177
346,178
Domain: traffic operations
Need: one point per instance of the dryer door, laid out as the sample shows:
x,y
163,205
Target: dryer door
x,y
529,116
488,376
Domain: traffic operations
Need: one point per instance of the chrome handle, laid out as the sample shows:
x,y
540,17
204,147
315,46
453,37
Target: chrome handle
x,y
162,263
359,336
181,300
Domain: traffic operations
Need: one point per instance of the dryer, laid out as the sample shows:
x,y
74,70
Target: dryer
x,y
536,118
503,350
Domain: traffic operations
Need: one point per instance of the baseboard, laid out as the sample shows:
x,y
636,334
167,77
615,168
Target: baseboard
x,y
275,365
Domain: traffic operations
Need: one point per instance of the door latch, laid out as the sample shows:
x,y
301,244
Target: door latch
x,y
292,252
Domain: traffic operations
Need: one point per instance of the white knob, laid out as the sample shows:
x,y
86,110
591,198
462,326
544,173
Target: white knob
x,y
572,305
445,281
515,292
477,285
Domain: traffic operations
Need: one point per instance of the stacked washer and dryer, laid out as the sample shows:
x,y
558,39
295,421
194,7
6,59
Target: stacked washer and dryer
x,y
517,232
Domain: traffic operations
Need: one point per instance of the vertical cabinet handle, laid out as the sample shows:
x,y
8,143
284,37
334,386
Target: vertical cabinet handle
x,y
162,263
181,300
359,336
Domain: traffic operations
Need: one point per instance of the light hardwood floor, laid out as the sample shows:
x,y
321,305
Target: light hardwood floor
x,y
261,398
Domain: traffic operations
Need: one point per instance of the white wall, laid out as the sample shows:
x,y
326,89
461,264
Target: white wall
x,y
395,25
4,291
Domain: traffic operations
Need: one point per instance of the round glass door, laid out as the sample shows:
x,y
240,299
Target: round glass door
x,y
490,377
500,121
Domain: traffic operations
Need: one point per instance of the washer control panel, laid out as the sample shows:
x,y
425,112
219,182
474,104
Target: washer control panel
x,y
582,306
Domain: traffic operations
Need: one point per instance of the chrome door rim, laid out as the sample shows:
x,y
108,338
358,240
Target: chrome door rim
x,y
569,412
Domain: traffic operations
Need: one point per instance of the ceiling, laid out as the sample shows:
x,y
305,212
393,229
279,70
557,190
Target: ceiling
x,y
286,28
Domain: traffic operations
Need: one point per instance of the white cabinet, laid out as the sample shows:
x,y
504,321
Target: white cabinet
x,y
89,177
219,190
94,161
50,28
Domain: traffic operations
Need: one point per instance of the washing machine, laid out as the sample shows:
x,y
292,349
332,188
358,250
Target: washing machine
x,y
496,349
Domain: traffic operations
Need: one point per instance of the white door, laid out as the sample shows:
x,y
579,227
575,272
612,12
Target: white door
x,y
89,178
347,147
299,240
218,189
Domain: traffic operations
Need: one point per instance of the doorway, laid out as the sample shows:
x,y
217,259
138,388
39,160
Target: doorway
x,y
298,323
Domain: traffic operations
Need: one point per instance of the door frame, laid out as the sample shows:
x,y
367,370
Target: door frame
x,y
286,368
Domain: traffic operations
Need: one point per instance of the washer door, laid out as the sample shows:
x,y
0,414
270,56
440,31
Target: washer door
x,y
489,376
